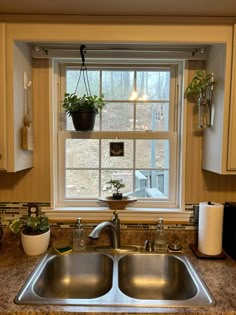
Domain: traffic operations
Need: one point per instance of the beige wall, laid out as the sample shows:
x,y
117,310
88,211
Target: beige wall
x,y
34,184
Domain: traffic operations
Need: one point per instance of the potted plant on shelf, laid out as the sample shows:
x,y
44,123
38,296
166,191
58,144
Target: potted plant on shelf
x,y
83,110
117,201
35,233
116,184
201,87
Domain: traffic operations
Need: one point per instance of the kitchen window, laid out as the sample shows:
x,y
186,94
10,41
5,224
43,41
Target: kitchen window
x,y
142,115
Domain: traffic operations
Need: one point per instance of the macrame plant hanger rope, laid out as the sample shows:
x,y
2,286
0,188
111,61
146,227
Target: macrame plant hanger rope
x,y
83,72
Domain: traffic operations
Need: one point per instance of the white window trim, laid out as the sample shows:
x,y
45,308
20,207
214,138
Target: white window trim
x,y
135,215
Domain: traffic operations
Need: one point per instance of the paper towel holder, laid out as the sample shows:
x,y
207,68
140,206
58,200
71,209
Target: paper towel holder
x,y
200,255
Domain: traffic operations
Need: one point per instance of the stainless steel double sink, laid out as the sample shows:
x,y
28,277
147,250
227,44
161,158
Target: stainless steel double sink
x,y
135,279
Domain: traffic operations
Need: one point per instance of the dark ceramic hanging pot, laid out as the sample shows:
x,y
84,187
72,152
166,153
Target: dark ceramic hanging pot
x,y
83,121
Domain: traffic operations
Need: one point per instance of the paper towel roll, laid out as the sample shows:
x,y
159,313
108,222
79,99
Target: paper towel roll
x,y
210,228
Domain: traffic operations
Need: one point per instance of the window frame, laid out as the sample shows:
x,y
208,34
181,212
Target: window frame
x,y
149,206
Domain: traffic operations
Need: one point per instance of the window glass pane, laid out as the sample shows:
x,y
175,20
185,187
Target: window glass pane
x,y
152,154
117,85
126,176
69,123
82,183
154,116
152,184
153,85
118,116
72,76
125,161
82,153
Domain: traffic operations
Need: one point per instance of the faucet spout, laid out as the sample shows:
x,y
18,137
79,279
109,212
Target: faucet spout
x,y
114,226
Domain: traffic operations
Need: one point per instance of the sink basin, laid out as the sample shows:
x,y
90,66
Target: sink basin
x,y
156,277
85,276
60,279
124,279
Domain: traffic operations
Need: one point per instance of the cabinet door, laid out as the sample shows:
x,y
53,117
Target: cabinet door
x,y
215,138
3,150
12,103
231,162
18,100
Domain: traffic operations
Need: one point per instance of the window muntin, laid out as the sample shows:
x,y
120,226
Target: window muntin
x,y
145,125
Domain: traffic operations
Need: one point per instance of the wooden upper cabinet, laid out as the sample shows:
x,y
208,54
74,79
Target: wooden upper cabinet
x,y
19,102
15,64
3,148
231,158
219,147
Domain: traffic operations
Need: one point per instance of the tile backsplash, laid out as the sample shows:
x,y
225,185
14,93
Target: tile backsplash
x,y
11,210
183,233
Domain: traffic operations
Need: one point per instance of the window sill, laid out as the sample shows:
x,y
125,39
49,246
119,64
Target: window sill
x,y
134,215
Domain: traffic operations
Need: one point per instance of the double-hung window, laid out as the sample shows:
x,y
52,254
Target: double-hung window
x,y
136,137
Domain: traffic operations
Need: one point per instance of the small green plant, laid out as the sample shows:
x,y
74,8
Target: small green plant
x,y
201,83
116,184
30,225
74,103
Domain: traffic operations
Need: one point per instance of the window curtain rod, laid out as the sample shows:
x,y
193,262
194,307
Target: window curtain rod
x,y
120,52
194,50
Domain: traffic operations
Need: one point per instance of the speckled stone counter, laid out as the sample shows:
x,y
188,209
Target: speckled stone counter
x,y
15,267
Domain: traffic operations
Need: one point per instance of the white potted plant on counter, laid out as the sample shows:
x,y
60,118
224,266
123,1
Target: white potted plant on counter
x,y
35,233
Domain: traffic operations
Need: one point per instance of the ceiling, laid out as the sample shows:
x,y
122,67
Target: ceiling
x,y
185,8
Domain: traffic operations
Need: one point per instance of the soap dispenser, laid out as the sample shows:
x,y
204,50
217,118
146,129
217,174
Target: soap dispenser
x,y
78,237
160,244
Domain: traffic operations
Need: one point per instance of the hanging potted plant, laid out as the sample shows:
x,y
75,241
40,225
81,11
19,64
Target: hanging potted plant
x,y
201,87
35,233
83,109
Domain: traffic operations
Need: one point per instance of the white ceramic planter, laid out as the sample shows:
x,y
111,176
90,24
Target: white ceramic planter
x,y
35,244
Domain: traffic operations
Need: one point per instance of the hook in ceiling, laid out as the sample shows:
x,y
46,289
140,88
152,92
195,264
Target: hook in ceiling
x,y
82,52
83,72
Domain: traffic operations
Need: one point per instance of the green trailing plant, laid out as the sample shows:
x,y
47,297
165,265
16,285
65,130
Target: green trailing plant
x,y
201,83
74,103
117,184
30,225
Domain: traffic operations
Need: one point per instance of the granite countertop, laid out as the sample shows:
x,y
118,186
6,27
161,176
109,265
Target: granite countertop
x,y
15,267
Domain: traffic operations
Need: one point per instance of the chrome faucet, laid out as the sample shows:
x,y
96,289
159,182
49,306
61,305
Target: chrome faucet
x,y
115,229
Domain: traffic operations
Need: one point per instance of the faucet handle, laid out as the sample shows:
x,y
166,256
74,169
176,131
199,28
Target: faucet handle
x,y
149,245
115,219
115,216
